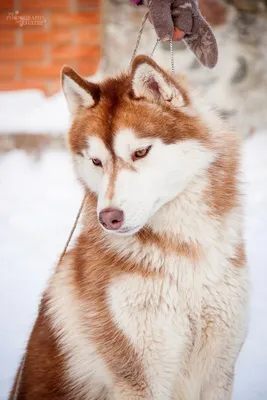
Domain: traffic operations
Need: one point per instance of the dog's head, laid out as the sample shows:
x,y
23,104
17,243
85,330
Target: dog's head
x,y
136,141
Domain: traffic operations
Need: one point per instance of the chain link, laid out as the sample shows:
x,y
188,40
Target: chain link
x,y
141,30
139,36
172,57
154,49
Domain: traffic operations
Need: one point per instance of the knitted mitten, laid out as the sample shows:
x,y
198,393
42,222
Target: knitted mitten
x,y
185,15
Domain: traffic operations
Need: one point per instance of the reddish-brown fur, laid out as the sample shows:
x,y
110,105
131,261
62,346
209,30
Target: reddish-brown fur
x,y
45,378
223,194
170,246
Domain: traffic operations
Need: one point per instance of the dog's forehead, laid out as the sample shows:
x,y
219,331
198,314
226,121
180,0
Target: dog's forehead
x,y
114,126
96,148
118,114
125,141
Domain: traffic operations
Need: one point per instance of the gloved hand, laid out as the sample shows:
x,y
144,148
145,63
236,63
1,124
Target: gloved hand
x,y
168,15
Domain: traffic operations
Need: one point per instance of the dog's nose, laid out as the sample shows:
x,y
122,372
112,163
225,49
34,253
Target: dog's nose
x,y
111,219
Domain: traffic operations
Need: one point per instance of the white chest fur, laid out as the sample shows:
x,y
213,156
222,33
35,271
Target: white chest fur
x,y
180,324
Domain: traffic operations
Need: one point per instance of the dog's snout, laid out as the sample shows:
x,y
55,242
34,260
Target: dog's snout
x,y
111,219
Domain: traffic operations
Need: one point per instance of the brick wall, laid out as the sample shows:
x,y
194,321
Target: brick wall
x,y
38,36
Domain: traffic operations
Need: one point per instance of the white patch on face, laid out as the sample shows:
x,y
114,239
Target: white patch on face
x,y
90,174
126,143
159,177
156,179
97,149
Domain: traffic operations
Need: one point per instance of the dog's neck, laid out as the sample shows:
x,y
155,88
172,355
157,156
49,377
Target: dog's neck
x,y
185,218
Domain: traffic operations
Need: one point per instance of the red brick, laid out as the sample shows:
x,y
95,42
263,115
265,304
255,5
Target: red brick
x,y
77,52
71,62
7,36
7,4
43,4
52,36
75,19
89,35
7,71
53,87
88,68
19,85
6,21
13,53
83,4
41,71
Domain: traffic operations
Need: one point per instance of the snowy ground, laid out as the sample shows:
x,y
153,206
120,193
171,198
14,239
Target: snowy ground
x,y
30,111
38,203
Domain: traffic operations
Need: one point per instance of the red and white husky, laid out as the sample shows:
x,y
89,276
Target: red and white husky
x,y
151,303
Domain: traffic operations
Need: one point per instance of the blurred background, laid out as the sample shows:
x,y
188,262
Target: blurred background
x,y
39,196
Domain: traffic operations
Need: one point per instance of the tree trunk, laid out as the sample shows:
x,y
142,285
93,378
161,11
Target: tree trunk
x,y
236,86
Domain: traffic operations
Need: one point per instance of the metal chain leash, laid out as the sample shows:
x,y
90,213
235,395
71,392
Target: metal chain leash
x,y
171,54
172,57
138,40
155,47
145,17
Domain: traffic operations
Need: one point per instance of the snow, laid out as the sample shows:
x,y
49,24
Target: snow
x,y
30,111
38,204
38,113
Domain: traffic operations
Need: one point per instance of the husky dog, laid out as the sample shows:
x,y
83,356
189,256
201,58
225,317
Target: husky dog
x,y
152,301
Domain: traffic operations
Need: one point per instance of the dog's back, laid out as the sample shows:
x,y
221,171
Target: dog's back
x,y
153,304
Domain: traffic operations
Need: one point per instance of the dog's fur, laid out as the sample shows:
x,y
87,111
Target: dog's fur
x,y
158,309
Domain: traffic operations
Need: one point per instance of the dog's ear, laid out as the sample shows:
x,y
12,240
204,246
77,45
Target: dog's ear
x,y
151,82
79,92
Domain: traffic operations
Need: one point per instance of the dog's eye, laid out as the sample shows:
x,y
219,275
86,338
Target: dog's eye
x,y
96,162
141,153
